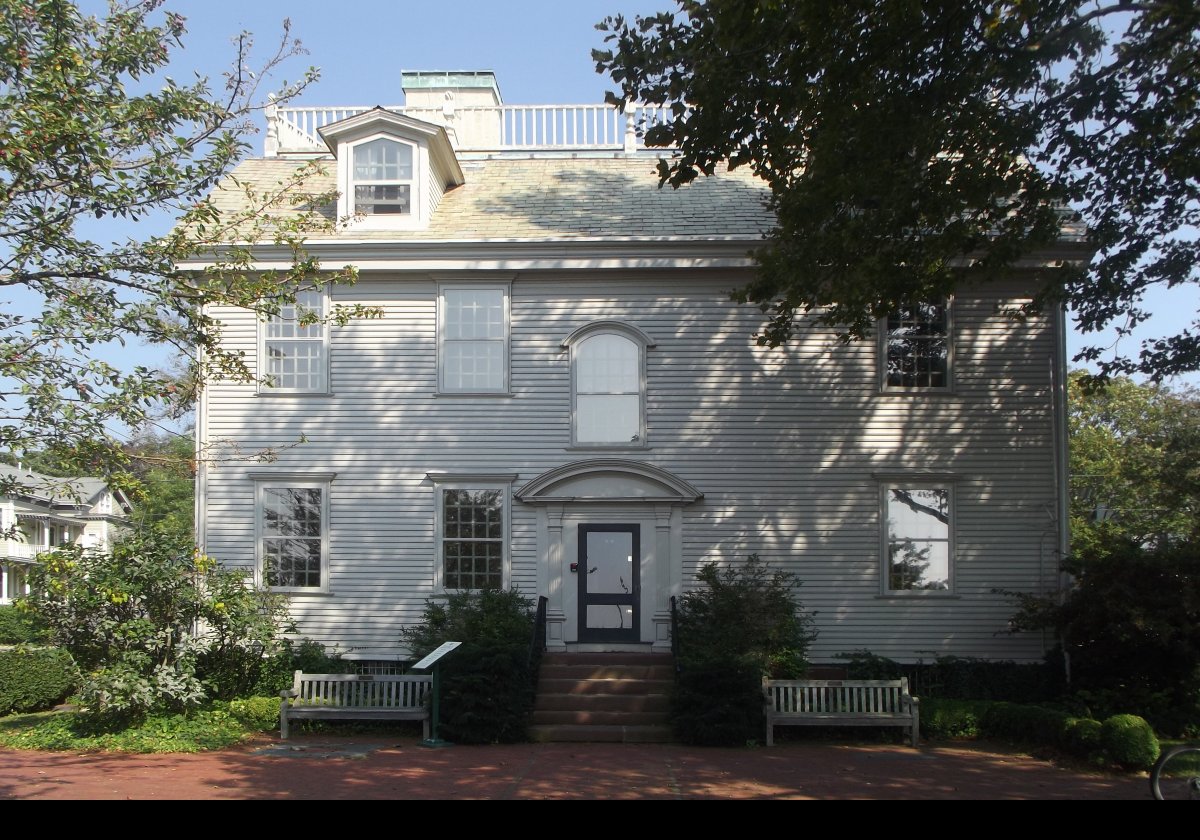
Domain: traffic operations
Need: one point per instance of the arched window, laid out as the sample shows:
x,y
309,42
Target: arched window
x,y
383,178
608,384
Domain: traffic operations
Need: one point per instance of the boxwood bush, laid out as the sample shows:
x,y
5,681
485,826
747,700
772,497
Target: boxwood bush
x,y
18,626
487,684
33,679
1129,741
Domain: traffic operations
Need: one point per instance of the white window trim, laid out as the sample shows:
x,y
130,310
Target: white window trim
x,y
298,481
264,388
643,342
918,482
505,390
463,481
347,211
882,358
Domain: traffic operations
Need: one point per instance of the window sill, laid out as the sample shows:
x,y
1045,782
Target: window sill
x,y
278,394
472,394
597,447
918,596
309,593
917,392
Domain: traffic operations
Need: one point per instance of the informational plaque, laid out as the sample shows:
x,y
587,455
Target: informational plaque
x,y
435,655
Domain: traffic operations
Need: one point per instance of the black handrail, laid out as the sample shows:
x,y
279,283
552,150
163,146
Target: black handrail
x,y
675,632
537,644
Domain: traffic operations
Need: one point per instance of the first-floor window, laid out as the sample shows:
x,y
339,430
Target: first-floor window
x,y
294,534
918,537
471,536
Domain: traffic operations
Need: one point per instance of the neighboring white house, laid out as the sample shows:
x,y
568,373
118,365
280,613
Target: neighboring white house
x,y
560,396
43,512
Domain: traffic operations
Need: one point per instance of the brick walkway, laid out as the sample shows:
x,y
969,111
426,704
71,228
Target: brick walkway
x,y
321,767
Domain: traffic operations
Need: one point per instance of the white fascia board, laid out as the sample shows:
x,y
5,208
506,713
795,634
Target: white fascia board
x,y
516,254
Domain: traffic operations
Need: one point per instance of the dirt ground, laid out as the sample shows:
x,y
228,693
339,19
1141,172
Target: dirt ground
x,y
323,767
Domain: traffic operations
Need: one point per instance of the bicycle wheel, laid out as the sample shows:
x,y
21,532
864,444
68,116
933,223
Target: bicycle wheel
x,y
1176,774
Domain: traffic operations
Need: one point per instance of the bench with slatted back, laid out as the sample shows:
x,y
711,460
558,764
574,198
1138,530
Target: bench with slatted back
x,y
355,697
840,703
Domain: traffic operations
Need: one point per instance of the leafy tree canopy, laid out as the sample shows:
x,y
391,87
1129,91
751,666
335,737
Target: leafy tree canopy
x,y
1135,465
912,147
97,138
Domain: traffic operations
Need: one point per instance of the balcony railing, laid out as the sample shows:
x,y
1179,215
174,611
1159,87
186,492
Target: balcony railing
x,y
294,130
13,550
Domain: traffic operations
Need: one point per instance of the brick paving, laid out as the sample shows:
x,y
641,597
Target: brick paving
x,y
323,767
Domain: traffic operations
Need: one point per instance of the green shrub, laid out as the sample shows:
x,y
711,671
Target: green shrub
x,y
258,714
743,624
864,665
140,620
19,626
746,611
1129,741
960,678
32,679
1083,736
949,719
487,688
718,702
1031,724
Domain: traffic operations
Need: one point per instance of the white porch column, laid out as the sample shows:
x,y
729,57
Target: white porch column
x,y
663,564
556,617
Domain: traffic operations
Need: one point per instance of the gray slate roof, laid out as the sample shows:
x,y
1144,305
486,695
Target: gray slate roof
x,y
56,491
552,198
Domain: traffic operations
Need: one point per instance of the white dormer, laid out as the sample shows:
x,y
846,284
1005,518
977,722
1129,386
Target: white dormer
x,y
392,169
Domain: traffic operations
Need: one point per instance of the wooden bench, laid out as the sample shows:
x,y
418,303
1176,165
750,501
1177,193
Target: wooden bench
x,y
840,703
355,697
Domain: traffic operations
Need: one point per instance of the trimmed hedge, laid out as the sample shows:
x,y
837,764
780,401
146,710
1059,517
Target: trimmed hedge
x,y
718,702
1129,741
19,627
1125,740
33,679
486,694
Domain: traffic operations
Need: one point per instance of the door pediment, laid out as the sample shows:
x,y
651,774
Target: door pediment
x,y
607,480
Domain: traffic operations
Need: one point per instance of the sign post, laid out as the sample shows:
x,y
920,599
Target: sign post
x,y
432,659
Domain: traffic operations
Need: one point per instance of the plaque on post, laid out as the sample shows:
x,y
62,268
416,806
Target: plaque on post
x,y
432,659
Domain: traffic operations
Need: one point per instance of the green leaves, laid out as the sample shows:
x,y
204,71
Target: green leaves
x,y
92,135
912,148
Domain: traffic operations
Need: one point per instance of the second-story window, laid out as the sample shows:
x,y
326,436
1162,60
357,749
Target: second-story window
x,y
473,339
608,385
383,178
916,348
294,350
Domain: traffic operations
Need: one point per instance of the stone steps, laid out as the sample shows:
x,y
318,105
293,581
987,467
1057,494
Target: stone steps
x,y
603,697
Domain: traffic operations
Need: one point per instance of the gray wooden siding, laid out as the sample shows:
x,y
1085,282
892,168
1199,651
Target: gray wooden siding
x,y
787,445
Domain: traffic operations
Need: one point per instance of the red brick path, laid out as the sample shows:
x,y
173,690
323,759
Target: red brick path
x,y
320,767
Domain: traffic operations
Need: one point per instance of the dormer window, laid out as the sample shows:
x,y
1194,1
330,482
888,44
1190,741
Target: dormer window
x,y
383,178
392,170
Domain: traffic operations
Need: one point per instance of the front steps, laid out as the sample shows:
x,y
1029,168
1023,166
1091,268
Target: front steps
x,y
604,697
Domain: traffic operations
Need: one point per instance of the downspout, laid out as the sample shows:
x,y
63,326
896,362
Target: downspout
x,y
200,455
1058,374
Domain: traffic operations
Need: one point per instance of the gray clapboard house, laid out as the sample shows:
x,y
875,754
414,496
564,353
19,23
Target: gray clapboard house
x,y
561,397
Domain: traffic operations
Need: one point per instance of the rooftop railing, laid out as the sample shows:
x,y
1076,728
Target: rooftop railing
x,y
295,130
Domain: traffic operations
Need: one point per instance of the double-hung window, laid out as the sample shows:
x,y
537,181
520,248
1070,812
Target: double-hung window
x,y
472,533
294,348
473,327
918,536
293,534
608,379
383,178
916,348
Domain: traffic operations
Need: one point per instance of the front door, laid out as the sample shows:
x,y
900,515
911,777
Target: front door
x,y
609,593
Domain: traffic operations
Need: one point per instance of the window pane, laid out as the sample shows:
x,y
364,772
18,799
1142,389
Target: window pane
x,y
473,539
292,544
382,200
473,365
918,346
917,564
383,160
291,511
607,364
473,313
296,365
920,513
607,419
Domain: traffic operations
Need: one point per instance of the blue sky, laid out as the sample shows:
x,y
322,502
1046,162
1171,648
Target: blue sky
x,y
540,51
